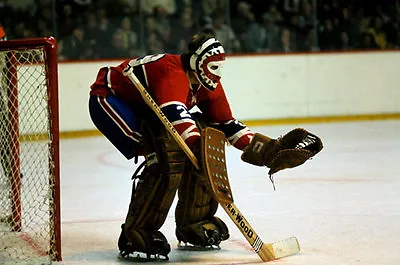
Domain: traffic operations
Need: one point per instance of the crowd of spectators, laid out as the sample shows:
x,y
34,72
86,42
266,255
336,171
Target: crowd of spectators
x,y
93,29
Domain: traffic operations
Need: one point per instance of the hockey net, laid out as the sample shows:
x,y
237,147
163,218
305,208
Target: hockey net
x,y
29,152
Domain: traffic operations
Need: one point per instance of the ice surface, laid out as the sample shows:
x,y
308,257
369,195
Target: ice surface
x,y
343,205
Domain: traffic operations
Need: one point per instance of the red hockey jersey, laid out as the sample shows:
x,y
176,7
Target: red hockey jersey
x,y
165,79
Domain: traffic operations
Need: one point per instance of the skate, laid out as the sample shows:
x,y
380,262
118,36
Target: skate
x,y
153,246
203,236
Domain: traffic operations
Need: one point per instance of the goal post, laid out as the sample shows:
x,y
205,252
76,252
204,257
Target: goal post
x,y
30,226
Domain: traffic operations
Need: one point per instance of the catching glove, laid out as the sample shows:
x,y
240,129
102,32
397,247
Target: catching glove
x,y
288,151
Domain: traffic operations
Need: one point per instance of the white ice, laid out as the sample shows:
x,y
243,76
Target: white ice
x,y
343,205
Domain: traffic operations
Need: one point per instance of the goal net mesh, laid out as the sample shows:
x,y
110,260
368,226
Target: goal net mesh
x,y
27,204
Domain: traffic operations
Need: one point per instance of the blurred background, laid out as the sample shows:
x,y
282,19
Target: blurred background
x,y
98,29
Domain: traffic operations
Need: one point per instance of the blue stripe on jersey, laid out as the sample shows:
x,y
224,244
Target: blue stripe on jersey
x,y
230,128
176,112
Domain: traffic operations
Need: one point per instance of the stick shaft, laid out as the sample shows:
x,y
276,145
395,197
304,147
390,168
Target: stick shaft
x,y
265,251
157,110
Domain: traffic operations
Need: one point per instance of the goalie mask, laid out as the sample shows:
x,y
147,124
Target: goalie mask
x,y
207,62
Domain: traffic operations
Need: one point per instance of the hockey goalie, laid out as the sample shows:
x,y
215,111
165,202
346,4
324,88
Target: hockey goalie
x,y
178,83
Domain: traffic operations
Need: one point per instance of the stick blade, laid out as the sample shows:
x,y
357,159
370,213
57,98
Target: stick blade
x,y
286,247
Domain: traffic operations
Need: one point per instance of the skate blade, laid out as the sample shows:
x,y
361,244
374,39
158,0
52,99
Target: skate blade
x,y
141,257
188,247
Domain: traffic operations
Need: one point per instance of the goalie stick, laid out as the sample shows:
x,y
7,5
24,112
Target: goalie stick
x,y
213,152
214,141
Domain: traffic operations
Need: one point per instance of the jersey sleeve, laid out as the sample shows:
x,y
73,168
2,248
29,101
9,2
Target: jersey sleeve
x,y
170,92
216,108
182,120
238,134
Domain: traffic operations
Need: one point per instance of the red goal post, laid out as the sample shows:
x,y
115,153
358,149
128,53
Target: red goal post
x,y
29,152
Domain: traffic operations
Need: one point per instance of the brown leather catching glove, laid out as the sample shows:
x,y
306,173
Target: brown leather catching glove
x,y
288,151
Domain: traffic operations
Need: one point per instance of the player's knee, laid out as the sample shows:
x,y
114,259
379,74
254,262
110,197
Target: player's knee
x,y
205,233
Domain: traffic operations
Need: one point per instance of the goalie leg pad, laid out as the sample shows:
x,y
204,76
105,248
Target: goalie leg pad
x,y
196,202
158,183
194,214
151,200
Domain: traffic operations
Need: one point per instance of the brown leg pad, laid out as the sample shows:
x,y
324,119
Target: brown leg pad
x,y
196,202
194,214
159,180
152,200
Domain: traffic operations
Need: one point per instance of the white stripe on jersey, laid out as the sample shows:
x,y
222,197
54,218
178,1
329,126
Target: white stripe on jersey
x,y
172,103
125,129
183,121
189,132
234,138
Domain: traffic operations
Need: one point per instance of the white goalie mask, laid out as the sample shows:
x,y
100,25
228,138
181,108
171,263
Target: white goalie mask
x,y
207,62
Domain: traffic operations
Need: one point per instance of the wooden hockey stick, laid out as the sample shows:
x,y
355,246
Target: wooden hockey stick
x,y
213,151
